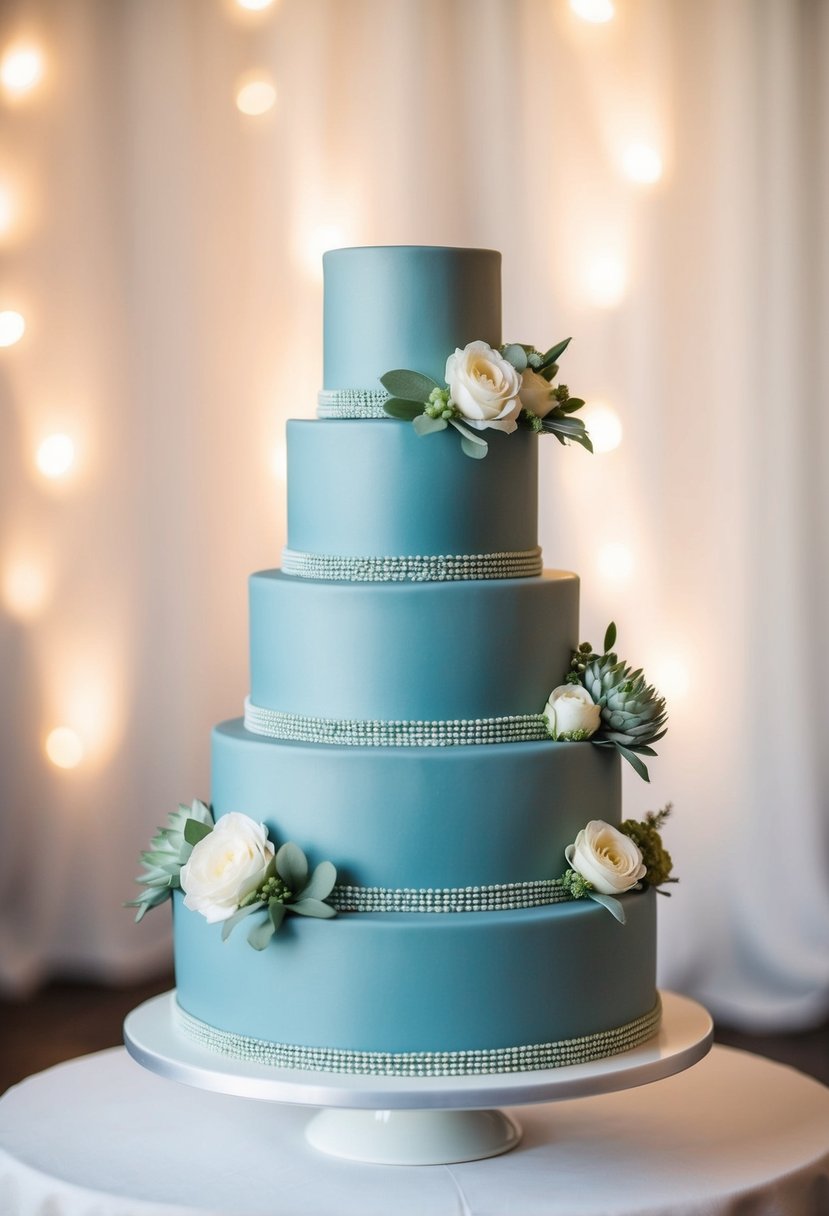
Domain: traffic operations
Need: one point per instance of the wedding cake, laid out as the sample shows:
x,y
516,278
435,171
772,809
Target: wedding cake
x,y
414,860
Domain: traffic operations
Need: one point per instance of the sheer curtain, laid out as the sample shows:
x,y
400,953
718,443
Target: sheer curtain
x,y
164,250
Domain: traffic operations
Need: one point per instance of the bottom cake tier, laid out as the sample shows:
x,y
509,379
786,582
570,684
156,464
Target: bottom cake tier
x,y
427,994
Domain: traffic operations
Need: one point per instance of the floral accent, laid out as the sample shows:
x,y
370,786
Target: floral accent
x,y
489,389
646,835
230,870
571,713
632,714
606,861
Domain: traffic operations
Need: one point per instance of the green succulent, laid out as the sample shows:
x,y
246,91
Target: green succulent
x,y
291,889
645,834
169,850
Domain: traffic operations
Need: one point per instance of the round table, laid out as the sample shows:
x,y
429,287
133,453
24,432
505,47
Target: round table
x,y
100,1136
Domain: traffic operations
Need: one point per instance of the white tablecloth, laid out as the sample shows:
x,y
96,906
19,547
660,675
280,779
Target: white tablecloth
x,y
733,1136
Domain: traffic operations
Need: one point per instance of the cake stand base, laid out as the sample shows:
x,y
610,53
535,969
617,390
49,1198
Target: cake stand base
x,y
414,1120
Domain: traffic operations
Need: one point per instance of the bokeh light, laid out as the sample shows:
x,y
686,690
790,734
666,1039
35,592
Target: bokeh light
x,y
615,562
55,456
672,677
25,587
21,70
12,328
603,425
64,747
605,280
642,164
254,6
318,241
255,94
597,12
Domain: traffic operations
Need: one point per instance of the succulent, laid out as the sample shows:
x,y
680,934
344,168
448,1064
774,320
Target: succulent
x,y
169,850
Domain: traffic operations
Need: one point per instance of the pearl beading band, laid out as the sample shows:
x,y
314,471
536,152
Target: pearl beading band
x,y
351,403
443,568
300,728
497,897
473,1062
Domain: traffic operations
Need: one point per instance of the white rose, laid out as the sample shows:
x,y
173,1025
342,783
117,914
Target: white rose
x,y
606,858
225,866
570,708
536,394
484,387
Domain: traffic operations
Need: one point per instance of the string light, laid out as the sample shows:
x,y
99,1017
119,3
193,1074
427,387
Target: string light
x,y
597,12
64,747
604,426
255,94
615,562
21,69
55,456
642,164
25,588
605,280
12,328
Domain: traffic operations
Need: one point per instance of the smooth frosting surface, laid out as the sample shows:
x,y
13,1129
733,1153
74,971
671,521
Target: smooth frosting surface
x,y
410,651
405,306
424,982
374,488
418,817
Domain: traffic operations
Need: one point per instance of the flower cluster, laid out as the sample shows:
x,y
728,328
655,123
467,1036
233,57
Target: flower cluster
x,y
605,701
488,389
230,870
606,861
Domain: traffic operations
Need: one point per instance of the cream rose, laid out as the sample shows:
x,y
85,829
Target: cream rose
x,y
484,387
225,866
536,394
606,858
570,708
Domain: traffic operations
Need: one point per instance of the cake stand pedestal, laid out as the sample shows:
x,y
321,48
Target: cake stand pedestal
x,y
414,1120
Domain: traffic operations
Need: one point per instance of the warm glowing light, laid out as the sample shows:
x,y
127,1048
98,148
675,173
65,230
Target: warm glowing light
x,y
25,588
615,562
604,426
672,678
21,69
255,95
64,747
279,462
594,11
55,456
6,211
605,280
12,328
642,164
318,241
254,5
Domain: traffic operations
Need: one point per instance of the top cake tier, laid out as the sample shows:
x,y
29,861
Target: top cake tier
x,y
405,306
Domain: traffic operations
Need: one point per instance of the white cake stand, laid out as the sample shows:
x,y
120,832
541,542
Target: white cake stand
x,y
414,1120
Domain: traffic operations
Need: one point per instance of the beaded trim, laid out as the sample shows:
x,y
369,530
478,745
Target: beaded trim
x,y
424,1063
519,728
351,403
497,897
520,564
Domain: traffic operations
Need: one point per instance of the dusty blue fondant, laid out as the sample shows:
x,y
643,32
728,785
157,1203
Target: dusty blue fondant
x,y
367,489
405,306
420,817
424,982
404,651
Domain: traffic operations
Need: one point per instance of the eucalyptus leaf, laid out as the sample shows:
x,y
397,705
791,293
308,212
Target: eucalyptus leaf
x,y
610,637
292,866
555,352
633,760
613,906
194,831
398,408
411,386
516,355
261,934
313,907
471,444
424,425
276,911
232,921
321,883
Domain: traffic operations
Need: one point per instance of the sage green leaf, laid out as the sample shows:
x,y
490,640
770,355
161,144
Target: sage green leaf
x,y
555,352
549,373
313,907
424,425
516,355
195,831
572,404
232,921
633,760
411,386
261,934
276,911
406,410
292,866
610,637
613,906
472,445
321,882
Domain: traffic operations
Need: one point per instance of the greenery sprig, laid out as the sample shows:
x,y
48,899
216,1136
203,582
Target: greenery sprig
x,y
646,835
289,890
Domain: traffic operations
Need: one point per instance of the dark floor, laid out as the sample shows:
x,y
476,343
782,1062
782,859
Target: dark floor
x,y
72,1019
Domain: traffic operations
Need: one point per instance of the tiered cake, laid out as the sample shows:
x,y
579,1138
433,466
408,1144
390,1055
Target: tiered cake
x,y
399,664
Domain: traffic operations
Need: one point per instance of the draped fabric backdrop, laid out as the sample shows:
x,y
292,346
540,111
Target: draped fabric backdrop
x,y
164,249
